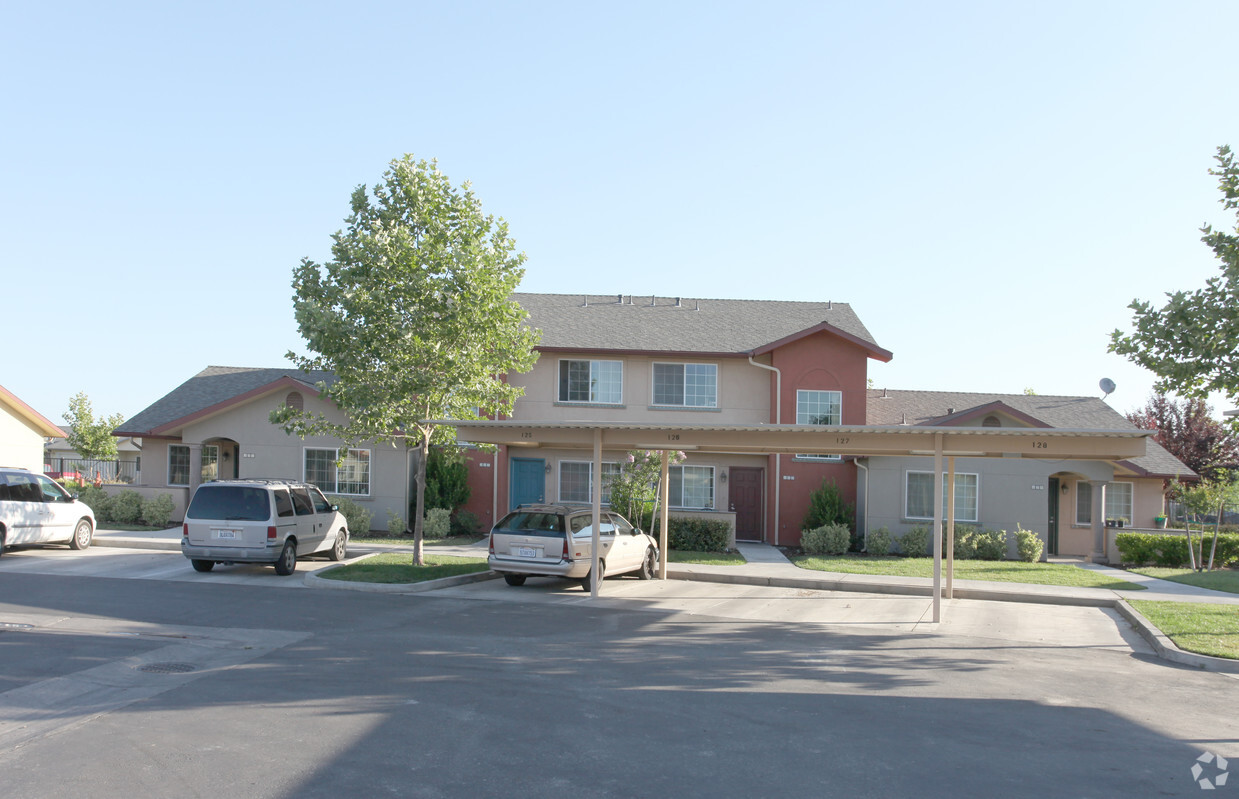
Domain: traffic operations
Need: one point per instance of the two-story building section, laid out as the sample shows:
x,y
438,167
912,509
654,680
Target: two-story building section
x,y
632,358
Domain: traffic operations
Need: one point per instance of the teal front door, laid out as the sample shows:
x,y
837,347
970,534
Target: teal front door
x,y
526,482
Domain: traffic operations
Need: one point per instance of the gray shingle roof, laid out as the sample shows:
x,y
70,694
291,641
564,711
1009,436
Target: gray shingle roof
x,y
890,407
211,386
680,324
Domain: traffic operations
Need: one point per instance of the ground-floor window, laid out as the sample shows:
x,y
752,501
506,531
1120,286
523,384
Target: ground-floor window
x,y
334,474
919,502
575,484
178,465
691,487
1119,501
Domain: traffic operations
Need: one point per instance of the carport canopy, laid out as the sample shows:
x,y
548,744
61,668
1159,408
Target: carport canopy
x,y
1056,444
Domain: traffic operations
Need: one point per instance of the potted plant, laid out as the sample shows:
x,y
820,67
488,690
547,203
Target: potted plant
x,y
1111,523
1122,521
1160,521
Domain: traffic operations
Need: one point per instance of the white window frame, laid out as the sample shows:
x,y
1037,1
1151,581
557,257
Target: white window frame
x,y
188,465
609,468
684,385
595,365
1111,509
671,498
210,457
334,488
907,495
801,395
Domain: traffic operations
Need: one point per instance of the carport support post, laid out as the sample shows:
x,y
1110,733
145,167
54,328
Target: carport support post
x,y
950,527
1098,554
937,531
664,487
596,535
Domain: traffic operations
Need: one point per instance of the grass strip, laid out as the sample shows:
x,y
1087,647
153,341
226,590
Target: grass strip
x,y
397,567
706,558
1217,580
1201,627
1002,571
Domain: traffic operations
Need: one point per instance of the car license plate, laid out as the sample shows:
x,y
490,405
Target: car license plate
x,y
526,552
225,534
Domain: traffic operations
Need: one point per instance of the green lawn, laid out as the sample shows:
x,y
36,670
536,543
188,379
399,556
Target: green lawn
x,y
1219,579
1004,571
397,567
1196,626
706,558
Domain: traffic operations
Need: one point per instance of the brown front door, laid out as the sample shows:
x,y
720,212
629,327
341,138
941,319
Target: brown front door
x,y
746,502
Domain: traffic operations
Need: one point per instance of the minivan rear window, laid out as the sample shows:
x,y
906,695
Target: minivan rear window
x,y
230,503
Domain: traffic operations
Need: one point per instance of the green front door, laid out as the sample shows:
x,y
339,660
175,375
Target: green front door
x,y
1052,533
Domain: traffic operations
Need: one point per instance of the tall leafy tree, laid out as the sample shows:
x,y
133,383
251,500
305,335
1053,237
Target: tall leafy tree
x,y
1187,429
1192,342
90,437
414,315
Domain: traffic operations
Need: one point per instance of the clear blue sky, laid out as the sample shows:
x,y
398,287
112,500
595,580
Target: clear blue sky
x,y
988,184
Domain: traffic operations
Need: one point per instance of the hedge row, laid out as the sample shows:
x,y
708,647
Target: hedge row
x,y
127,507
1170,551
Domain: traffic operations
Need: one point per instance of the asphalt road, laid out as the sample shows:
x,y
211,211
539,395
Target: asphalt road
x,y
120,687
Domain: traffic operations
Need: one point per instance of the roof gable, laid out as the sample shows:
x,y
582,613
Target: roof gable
x,y
24,413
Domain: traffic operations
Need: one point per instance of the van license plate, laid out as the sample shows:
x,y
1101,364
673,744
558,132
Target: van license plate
x,y
225,534
526,552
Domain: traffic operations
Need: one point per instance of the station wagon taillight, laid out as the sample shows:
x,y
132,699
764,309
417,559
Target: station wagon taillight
x,y
185,530
566,554
271,533
492,543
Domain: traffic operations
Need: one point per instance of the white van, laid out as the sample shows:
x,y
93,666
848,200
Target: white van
x,y
34,509
261,521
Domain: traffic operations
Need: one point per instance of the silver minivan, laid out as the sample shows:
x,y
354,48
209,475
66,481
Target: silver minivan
x,y
261,521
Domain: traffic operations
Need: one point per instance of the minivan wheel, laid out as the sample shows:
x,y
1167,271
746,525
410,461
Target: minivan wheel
x,y
340,549
287,563
514,579
649,566
82,535
203,565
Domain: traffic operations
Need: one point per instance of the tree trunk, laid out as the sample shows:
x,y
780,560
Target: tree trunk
x,y
423,450
1191,551
1213,549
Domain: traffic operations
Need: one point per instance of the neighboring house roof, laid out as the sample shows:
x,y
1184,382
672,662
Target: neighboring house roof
x,y
23,412
681,325
212,390
948,408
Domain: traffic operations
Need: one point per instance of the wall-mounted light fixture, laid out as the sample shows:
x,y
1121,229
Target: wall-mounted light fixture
x,y
227,455
1064,488
548,468
722,475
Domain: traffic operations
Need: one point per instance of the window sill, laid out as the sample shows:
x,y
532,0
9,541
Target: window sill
x,y
683,408
609,405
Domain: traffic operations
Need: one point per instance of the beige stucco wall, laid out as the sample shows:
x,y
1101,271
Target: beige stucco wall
x,y
743,392
20,444
264,450
1076,539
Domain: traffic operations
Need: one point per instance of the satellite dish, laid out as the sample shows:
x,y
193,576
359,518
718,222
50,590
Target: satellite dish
x,y
1106,385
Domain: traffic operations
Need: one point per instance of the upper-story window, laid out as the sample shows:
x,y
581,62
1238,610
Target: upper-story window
x,y
591,381
819,407
686,385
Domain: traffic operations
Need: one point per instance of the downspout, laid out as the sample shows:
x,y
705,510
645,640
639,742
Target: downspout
x,y
778,457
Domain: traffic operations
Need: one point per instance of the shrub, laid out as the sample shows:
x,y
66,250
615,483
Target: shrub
x,y
966,539
127,507
1028,544
827,506
99,502
1138,549
915,542
878,542
447,480
692,534
829,539
158,510
465,523
395,523
437,524
358,518
991,544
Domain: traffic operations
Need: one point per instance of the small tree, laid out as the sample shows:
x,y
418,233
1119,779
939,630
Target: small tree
x,y
90,437
1188,431
1192,342
827,506
634,490
447,479
414,316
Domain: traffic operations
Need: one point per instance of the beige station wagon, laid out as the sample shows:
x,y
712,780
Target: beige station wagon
x,y
557,541
261,521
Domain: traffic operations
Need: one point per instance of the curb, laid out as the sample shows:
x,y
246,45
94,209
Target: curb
x,y
1166,649
135,543
313,580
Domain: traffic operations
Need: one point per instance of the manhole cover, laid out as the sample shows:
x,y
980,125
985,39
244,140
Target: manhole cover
x,y
167,668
